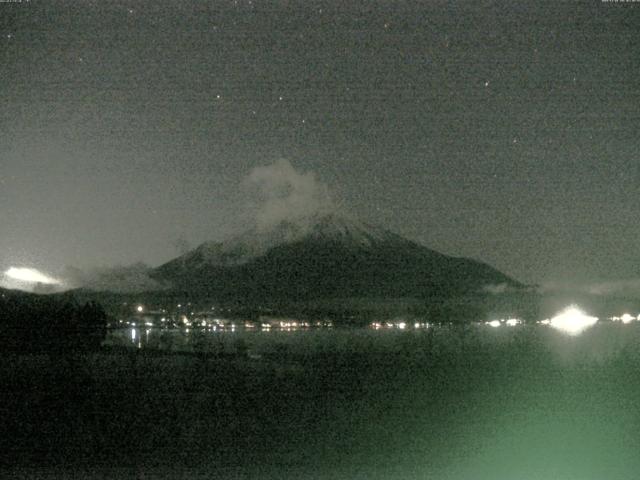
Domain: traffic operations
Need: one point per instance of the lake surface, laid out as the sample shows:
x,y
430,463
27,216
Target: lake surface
x,y
605,338
458,403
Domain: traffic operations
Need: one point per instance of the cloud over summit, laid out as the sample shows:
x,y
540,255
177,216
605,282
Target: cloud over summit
x,y
284,194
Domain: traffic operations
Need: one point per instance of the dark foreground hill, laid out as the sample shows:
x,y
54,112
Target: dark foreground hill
x,y
59,324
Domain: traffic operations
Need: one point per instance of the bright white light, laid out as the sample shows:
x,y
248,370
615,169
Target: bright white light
x,y
572,321
626,318
512,322
30,275
494,323
140,308
402,325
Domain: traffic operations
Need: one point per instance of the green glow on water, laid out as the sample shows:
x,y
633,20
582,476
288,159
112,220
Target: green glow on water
x,y
482,403
535,406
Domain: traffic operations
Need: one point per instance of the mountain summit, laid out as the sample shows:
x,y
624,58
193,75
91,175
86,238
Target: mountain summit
x,y
325,256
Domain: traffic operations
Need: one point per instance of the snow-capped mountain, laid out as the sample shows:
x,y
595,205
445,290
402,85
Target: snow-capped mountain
x,y
325,256
256,242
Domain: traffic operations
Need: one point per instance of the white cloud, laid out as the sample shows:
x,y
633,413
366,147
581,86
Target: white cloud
x,y
128,279
30,275
285,194
30,280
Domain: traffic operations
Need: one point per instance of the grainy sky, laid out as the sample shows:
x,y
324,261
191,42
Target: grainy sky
x,y
502,131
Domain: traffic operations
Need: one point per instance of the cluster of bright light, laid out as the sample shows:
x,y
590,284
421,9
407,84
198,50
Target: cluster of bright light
x,y
626,318
30,275
290,325
402,325
218,324
510,322
572,321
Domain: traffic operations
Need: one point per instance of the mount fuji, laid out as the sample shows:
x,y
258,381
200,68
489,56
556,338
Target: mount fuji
x,y
325,256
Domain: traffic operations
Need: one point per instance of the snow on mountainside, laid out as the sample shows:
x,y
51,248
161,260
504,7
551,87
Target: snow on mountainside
x,y
339,228
255,242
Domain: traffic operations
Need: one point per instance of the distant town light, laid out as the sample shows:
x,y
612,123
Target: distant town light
x,y
572,321
494,323
140,308
627,318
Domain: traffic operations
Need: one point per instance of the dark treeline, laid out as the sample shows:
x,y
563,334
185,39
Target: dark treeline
x,y
49,324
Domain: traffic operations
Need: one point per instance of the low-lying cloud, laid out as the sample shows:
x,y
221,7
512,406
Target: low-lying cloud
x,y
120,279
623,287
496,289
629,287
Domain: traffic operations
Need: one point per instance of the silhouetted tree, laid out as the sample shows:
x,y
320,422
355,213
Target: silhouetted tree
x,y
45,324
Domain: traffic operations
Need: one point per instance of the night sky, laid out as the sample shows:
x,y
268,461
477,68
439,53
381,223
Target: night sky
x,y
501,131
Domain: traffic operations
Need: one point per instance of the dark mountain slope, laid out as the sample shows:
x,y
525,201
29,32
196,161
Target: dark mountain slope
x,y
331,256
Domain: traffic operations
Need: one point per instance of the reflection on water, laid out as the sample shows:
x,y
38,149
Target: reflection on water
x,y
395,400
477,401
